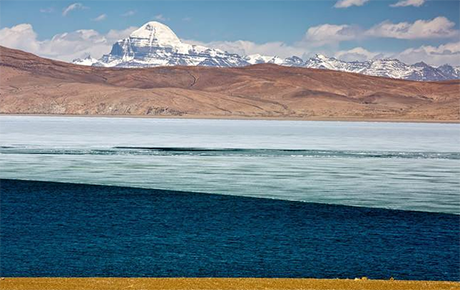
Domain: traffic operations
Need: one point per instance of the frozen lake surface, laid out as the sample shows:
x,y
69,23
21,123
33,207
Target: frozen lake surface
x,y
409,166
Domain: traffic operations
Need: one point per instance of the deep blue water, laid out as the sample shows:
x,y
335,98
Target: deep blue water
x,y
59,229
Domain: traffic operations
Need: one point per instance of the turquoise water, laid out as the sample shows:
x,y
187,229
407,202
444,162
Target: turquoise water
x,y
385,165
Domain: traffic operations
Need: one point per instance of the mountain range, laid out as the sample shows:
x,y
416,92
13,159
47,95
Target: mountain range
x,y
155,44
35,85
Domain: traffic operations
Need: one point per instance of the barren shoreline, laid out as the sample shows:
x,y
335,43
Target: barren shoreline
x,y
218,284
210,117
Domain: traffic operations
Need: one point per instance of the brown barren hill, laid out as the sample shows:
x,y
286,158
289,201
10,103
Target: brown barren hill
x,y
33,85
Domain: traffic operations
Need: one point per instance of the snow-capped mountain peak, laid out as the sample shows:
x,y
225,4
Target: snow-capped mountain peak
x,y
156,34
85,61
155,44
449,70
259,58
323,62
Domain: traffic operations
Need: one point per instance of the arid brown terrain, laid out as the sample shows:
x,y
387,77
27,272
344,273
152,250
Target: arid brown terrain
x,y
34,85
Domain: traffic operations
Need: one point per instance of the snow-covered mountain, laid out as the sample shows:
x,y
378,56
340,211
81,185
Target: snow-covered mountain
x,y
258,58
450,70
85,61
155,44
290,61
391,68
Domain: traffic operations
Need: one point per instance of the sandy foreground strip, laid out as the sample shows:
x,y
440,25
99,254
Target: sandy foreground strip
x,y
216,284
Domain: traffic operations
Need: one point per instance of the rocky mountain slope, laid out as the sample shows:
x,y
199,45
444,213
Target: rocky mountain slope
x,y
155,44
33,85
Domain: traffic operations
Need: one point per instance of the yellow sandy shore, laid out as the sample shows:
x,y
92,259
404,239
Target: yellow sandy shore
x,y
216,284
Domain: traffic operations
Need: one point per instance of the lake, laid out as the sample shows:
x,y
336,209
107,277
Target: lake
x,y
77,230
408,166
120,197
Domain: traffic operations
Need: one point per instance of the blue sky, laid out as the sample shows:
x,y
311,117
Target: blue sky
x,y
222,23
